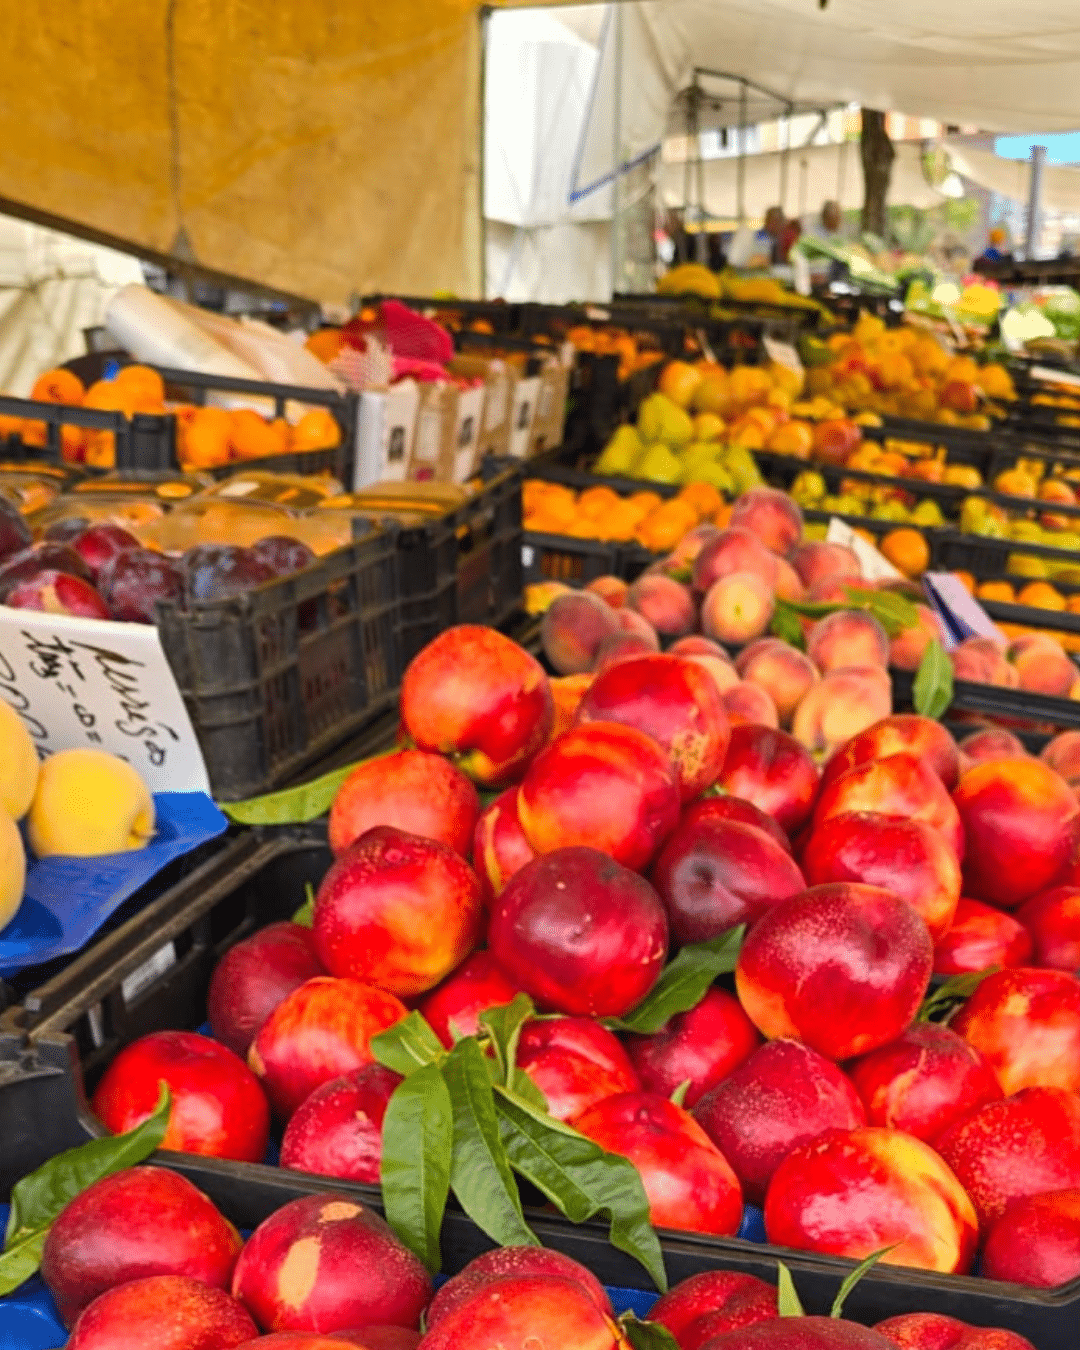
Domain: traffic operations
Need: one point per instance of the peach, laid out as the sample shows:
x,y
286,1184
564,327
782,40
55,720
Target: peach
x,y
896,785
724,807
713,874
924,1081
691,544
850,1193
1062,753
900,734
695,645
455,1006
667,604
906,857
673,700
1053,920
842,704
735,549
687,1180
612,590
337,1131
326,1263
622,647
502,1262
1021,821
566,693
575,1063
699,1047
992,743
253,977
738,607
833,590
1045,671
712,1302
1025,1145
572,630
772,771
169,1312
789,584
520,1310
980,937
499,844
906,651
785,674
476,696
848,637
722,673
582,934
397,912
772,516
140,1222
748,704
815,561
835,440
321,1031
1027,1024
603,785
842,967
424,794
981,661
1036,1241
783,1096
935,1331
633,624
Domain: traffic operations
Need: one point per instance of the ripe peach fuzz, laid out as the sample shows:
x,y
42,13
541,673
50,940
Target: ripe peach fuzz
x,y
321,1031
788,583
602,785
786,675
783,1096
981,661
907,649
397,912
724,807
572,630
712,1302
1027,1024
816,562
935,1331
772,771
713,874
612,590
1053,920
845,702
575,1062
1044,668
799,1333
499,846
904,856
140,1222
1063,755
337,1131
1036,1241
734,550
582,934
424,794
852,1192
455,1006
722,673
667,604
924,1081
326,1263
848,637
168,1312
738,607
980,937
480,699
673,700
898,785
504,1262
773,516
900,734
1021,821
527,1311
841,967
1025,1145
687,1180
700,1047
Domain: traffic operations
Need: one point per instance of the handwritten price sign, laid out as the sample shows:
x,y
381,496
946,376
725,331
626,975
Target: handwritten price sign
x,y
88,682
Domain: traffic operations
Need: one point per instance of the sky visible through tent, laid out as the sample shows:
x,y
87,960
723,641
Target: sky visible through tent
x,y
1061,147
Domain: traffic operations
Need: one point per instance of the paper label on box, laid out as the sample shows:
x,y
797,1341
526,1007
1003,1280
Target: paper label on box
x,y
961,614
92,682
495,409
782,354
525,398
875,566
428,434
142,977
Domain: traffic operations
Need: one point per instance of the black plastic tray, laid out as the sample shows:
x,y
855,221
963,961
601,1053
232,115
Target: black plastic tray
x,y
144,440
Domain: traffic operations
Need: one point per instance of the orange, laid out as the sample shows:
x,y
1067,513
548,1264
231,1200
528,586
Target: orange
x,y
325,343
1001,591
58,386
100,451
1041,595
316,430
663,529
722,519
907,550
648,501
1073,604
142,384
966,580
594,502
108,396
205,440
619,523
794,438
252,436
703,497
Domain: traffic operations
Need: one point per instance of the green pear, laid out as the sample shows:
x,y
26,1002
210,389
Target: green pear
x,y
927,512
659,419
659,465
743,468
808,489
890,511
716,475
621,453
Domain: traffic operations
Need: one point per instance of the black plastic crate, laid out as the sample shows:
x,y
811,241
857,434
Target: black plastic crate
x,y
55,1047
562,557
145,439
275,678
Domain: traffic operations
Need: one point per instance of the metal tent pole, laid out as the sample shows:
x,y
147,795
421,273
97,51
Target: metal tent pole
x,y
1034,211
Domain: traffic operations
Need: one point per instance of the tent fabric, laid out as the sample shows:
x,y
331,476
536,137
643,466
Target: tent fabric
x,y
317,147
1012,177
551,264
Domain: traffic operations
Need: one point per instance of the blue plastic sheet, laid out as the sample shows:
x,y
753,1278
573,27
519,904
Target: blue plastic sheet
x,y
68,899
28,1317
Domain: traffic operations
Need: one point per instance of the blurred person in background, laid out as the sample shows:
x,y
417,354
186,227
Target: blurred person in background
x,y
997,247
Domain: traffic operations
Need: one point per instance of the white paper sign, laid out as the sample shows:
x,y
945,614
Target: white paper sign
x,y
92,682
875,566
782,354
961,614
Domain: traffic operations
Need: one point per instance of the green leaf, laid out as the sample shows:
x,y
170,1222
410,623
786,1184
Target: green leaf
x,y
894,612
786,626
940,1005
932,691
479,1170
787,1296
417,1144
38,1199
679,1095
296,805
683,983
408,1045
503,1024
646,1335
581,1179
837,1309
305,915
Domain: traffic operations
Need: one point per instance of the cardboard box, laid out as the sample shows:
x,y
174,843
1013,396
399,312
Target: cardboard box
x,y
551,406
499,379
385,429
447,440
524,404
